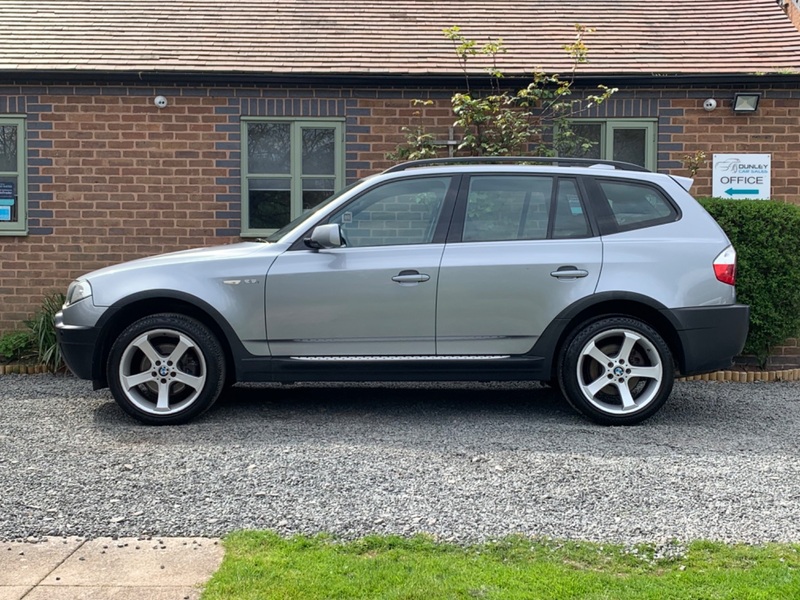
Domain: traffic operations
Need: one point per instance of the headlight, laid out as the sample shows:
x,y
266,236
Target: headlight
x,y
77,291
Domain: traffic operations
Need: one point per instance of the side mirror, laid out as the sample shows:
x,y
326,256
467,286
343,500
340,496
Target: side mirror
x,y
325,236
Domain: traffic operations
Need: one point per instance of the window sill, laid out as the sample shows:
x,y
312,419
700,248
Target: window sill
x,y
257,234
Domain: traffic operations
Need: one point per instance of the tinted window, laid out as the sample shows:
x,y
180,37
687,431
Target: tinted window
x,y
400,212
507,208
522,207
634,205
569,219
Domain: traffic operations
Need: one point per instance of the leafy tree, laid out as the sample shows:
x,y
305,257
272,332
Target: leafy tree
x,y
503,122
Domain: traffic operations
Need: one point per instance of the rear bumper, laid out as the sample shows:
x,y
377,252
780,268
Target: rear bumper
x,y
77,347
711,336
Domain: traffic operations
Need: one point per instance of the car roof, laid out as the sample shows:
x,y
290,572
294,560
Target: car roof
x,y
552,161
532,164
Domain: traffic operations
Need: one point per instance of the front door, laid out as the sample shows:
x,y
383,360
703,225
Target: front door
x,y
375,296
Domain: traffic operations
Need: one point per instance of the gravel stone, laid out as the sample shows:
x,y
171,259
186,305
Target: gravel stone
x,y
463,462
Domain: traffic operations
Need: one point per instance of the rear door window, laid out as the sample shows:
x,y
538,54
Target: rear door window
x,y
522,207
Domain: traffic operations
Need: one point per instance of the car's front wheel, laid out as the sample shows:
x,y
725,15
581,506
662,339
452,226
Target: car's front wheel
x,y
616,370
166,369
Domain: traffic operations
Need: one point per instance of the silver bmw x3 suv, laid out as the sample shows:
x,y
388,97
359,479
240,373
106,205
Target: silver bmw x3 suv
x,y
601,278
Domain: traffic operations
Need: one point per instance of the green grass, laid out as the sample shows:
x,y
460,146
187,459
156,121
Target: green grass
x,y
262,565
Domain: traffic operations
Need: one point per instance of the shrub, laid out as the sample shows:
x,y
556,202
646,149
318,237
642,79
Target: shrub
x,y
16,346
766,236
43,332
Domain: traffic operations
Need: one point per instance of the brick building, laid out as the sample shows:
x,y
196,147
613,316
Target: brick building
x,y
135,127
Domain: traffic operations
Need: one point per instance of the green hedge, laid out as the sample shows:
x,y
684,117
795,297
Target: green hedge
x,y
766,235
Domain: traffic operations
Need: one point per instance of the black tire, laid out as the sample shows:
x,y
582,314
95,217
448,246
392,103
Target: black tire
x,y
157,388
630,357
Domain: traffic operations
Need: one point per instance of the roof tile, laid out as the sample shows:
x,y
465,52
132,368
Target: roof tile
x,y
394,37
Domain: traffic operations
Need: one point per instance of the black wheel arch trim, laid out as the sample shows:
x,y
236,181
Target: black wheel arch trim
x,y
109,324
603,304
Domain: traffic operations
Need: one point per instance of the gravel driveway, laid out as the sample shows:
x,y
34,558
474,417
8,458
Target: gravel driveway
x,y
464,462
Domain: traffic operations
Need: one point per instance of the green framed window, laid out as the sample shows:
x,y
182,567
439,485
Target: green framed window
x,y
288,167
13,191
627,140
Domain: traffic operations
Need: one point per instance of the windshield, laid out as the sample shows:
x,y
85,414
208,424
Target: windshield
x,y
275,237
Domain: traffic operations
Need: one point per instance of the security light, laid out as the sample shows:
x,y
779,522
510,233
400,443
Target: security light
x,y
745,102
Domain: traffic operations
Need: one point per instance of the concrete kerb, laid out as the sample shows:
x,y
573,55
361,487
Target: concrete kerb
x,y
17,369
121,569
747,376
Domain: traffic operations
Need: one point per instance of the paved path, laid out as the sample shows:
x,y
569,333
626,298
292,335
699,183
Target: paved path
x,y
107,569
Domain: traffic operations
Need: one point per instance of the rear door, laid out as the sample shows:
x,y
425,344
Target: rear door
x,y
521,251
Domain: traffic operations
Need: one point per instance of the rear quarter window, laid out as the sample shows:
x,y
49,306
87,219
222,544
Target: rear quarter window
x,y
630,205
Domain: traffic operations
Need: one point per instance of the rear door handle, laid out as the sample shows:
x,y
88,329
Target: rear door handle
x,y
569,272
411,277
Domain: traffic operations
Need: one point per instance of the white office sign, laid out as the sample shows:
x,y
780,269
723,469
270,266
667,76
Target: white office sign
x,y
739,176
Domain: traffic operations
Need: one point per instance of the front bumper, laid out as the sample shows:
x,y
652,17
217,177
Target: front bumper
x,y
710,336
77,347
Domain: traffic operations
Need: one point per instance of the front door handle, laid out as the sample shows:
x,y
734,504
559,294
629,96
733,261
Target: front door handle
x,y
569,272
411,277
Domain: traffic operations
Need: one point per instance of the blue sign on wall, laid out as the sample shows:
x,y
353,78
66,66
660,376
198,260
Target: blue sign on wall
x,y
7,199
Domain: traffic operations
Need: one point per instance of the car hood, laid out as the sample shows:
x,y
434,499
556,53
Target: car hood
x,y
181,270
186,257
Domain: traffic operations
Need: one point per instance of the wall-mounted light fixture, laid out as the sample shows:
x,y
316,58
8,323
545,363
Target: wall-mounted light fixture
x,y
746,102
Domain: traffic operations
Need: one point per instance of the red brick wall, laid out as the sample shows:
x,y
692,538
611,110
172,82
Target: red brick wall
x,y
684,127
792,8
774,129
385,120
112,177
115,178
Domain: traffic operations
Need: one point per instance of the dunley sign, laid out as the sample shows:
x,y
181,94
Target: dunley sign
x,y
742,176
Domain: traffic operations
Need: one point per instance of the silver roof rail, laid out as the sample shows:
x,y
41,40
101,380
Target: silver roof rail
x,y
557,161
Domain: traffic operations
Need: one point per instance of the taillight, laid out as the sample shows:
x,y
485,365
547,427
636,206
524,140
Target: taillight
x,y
725,266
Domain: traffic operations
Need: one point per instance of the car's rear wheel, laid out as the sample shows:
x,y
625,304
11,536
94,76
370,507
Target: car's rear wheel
x,y
616,370
166,369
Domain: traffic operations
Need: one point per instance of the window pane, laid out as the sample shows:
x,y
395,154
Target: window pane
x,y
319,151
584,133
402,212
636,205
269,203
630,145
290,165
570,220
269,147
8,148
8,199
316,190
507,208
